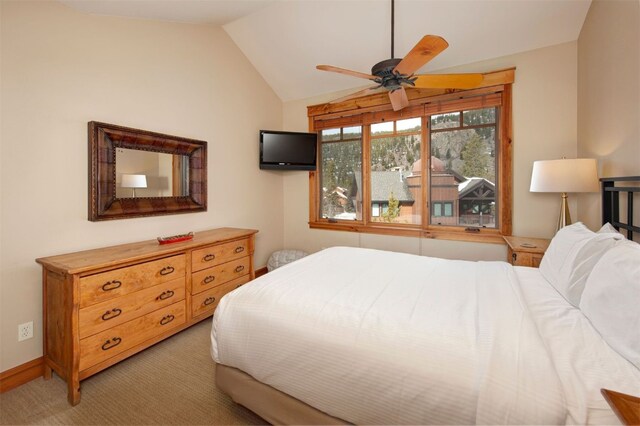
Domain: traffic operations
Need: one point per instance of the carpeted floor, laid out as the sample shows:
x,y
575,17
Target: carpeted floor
x,y
169,383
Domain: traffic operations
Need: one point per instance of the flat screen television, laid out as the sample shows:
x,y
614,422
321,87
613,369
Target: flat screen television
x,y
287,150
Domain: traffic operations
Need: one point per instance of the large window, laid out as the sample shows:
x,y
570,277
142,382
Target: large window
x,y
341,170
463,166
395,180
448,155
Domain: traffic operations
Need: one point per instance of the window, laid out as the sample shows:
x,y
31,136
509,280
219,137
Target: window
x,y
463,166
341,169
444,209
375,209
447,154
395,172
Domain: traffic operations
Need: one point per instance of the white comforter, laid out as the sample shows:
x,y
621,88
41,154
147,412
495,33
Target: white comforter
x,y
378,337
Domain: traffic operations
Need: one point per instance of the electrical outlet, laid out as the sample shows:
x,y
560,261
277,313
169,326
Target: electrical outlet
x,y
25,331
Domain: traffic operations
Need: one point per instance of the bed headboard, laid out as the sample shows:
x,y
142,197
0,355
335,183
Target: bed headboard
x,y
611,202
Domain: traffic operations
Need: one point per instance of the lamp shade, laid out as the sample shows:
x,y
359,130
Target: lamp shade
x,y
566,175
134,181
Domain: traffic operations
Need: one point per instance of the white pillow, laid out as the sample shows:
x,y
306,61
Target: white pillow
x,y
571,255
608,228
611,299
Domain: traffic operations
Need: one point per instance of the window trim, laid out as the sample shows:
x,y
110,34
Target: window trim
x,y
495,91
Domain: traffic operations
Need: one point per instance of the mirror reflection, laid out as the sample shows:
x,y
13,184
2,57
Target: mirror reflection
x,y
151,174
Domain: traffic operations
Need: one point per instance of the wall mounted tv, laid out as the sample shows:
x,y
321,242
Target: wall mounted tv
x,y
287,150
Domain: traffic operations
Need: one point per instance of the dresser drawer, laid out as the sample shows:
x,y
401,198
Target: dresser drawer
x,y
206,302
113,341
118,282
215,255
213,277
110,313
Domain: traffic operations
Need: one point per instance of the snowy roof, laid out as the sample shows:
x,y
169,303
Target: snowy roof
x,y
472,183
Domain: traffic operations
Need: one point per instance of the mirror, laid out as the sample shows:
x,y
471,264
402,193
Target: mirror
x,y
140,173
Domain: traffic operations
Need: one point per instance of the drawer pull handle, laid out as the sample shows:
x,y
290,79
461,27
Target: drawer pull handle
x,y
111,343
209,279
514,257
166,320
239,268
111,285
167,270
111,314
165,295
209,257
239,249
209,300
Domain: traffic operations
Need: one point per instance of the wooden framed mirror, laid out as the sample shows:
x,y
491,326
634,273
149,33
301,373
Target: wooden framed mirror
x,y
135,173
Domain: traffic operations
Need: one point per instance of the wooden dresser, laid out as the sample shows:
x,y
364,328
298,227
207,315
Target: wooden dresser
x,y
104,305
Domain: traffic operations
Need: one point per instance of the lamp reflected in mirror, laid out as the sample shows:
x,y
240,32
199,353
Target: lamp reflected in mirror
x,y
133,182
167,175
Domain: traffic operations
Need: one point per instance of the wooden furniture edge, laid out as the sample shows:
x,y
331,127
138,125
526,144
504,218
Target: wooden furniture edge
x,y
24,373
542,244
261,271
56,262
620,404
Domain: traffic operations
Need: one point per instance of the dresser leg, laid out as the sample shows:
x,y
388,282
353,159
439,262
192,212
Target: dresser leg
x,y
46,372
73,396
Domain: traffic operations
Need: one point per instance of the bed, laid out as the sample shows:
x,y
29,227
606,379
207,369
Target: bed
x,y
362,336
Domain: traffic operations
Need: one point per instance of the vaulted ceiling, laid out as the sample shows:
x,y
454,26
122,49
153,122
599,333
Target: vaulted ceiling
x,y
286,39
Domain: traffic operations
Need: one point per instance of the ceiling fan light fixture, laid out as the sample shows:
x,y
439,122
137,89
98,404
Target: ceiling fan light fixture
x,y
395,74
385,68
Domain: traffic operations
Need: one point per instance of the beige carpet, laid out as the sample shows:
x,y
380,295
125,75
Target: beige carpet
x,y
169,383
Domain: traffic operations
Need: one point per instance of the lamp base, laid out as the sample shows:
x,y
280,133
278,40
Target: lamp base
x,y
565,216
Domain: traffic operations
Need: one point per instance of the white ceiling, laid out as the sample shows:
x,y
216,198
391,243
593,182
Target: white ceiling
x,y
286,39
217,12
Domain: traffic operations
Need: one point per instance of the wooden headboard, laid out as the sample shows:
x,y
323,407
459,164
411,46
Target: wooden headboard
x,y
611,202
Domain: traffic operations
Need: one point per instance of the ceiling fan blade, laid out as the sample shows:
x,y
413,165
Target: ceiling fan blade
x,y
426,49
448,81
398,99
346,72
359,94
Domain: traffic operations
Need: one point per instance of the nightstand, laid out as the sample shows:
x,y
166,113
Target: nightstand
x,y
626,407
526,251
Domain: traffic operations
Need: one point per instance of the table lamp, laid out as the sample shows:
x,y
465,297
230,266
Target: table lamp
x,y
133,182
564,176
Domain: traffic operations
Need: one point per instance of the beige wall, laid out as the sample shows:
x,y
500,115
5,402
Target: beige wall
x,y
61,69
545,116
609,96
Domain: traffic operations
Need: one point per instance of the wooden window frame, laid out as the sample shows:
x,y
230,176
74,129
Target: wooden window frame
x,y
496,90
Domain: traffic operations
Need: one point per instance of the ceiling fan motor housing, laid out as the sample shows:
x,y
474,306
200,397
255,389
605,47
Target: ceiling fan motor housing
x,y
387,78
385,68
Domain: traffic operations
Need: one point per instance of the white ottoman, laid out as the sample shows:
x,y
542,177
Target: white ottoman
x,y
282,257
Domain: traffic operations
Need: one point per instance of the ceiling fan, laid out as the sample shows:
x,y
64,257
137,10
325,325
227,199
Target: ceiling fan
x,y
394,75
